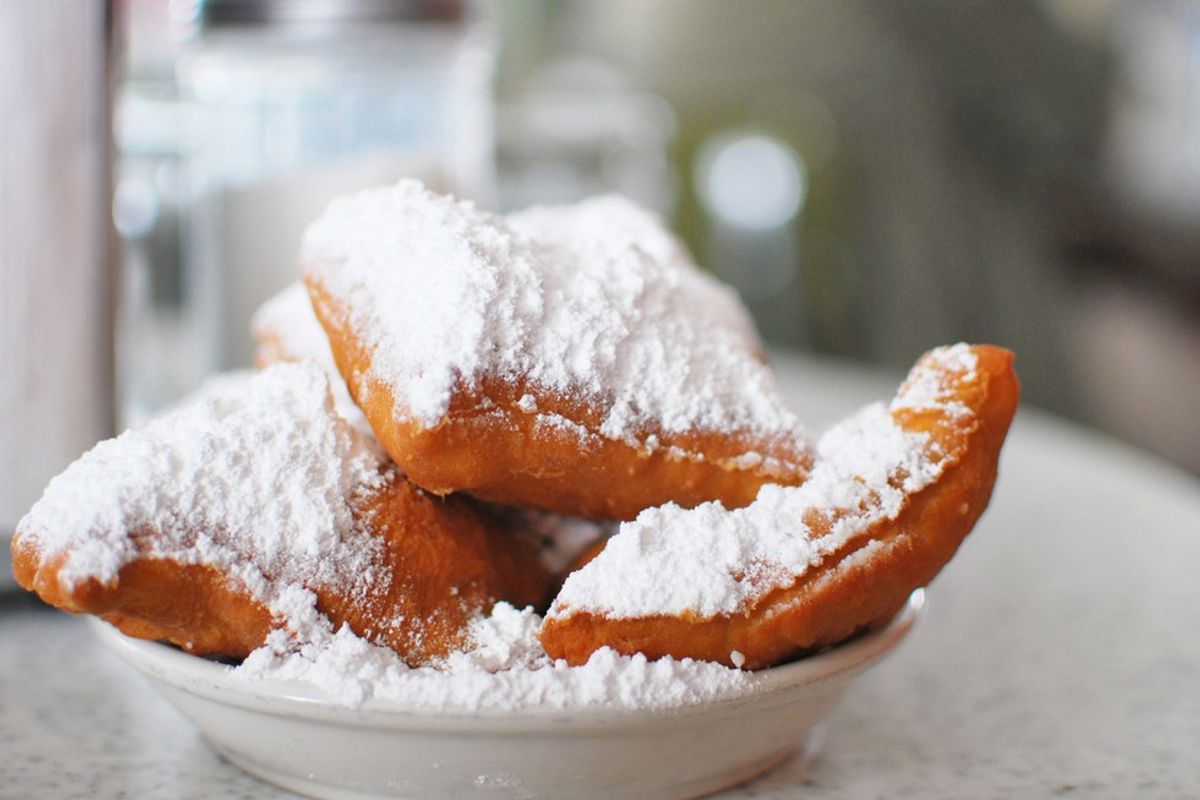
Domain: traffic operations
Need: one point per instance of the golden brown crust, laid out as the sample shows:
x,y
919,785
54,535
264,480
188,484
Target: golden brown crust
x,y
554,458
833,600
191,605
448,560
445,561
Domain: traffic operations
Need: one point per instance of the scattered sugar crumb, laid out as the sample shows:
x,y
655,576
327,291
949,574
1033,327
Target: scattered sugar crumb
x,y
504,669
561,423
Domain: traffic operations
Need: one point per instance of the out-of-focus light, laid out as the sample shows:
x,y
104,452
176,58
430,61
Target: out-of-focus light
x,y
135,208
184,12
751,180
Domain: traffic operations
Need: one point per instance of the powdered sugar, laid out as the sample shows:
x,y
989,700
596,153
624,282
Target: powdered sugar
x,y
611,223
711,561
924,391
255,477
505,669
595,301
287,330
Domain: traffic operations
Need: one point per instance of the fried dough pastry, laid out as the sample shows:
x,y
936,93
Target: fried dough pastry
x,y
569,358
257,508
285,329
892,495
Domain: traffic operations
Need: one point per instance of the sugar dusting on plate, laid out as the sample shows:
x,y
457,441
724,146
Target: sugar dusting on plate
x,y
594,301
504,669
711,561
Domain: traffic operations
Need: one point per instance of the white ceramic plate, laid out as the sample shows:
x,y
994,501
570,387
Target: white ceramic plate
x,y
291,735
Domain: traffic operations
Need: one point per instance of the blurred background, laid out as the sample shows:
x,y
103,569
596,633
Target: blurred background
x,y
875,178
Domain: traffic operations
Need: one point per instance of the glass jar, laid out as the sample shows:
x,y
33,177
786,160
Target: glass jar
x,y
287,103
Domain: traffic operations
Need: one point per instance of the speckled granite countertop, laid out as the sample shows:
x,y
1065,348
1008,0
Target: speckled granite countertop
x,y
1060,656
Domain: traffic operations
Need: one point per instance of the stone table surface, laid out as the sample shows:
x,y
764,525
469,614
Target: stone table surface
x,y
1060,655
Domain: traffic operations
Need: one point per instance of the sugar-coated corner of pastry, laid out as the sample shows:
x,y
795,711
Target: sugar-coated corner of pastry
x,y
570,358
893,492
285,329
